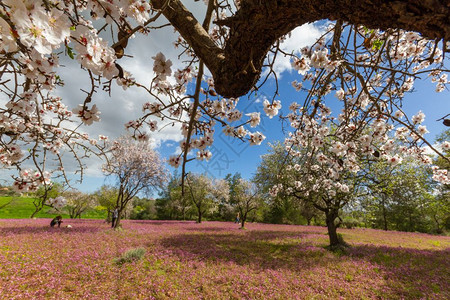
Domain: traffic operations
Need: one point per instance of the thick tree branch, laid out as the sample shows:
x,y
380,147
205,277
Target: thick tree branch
x,y
192,31
259,23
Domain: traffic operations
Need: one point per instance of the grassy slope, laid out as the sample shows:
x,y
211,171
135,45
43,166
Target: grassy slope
x,y
22,208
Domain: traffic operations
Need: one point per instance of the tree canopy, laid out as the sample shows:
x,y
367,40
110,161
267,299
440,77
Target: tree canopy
x,y
368,57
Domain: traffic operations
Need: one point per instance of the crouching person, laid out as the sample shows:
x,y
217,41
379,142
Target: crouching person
x,y
56,220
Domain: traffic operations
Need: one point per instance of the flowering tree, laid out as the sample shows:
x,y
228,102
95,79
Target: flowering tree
x,y
205,192
286,207
318,181
369,70
48,196
78,203
136,167
328,159
246,198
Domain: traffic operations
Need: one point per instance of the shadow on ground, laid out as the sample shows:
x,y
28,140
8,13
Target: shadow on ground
x,y
407,273
5,231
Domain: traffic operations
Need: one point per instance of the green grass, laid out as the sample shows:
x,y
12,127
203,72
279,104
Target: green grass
x,y
22,208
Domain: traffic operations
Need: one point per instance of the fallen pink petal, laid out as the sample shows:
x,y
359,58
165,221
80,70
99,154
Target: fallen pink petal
x,y
215,260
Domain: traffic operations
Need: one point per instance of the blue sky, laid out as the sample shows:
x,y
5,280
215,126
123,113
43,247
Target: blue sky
x,y
231,155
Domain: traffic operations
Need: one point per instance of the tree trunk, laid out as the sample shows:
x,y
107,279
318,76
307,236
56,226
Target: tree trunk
x,y
34,213
38,209
199,220
438,226
119,217
384,216
121,203
410,222
332,229
244,218
117,223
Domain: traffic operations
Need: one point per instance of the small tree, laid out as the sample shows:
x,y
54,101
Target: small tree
x,y
172,203
78,203
284,207
106,196
246,198
136,167
227,210
205,193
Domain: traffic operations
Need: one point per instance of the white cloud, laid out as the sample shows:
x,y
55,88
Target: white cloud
x,y
430,152
122,106
298,38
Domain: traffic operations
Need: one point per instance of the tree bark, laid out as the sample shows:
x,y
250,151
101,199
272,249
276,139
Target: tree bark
x,y
34,213
121,204
37,207
258,24
384,214
119,215
438,226
199,220
332,229
244,218
6,204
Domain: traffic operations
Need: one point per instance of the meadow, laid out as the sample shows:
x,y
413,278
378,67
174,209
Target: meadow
x,y
22,208
216,260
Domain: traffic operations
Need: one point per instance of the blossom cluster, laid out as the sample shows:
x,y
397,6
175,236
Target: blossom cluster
x,y
214,109
29,180
330,147
34,35
57,202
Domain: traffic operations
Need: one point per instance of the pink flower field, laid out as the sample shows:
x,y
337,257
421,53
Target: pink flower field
x,y
216,260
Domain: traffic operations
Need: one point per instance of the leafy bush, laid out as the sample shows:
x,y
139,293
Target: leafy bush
x,y
350,223
130,256
143,209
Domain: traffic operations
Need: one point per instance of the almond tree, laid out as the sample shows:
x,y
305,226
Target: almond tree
x,y
324,163
136,168
205,193
246,198
78,202
274,170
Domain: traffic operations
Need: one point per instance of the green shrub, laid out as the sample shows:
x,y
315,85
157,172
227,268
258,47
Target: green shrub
x,y
130,256
350,223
